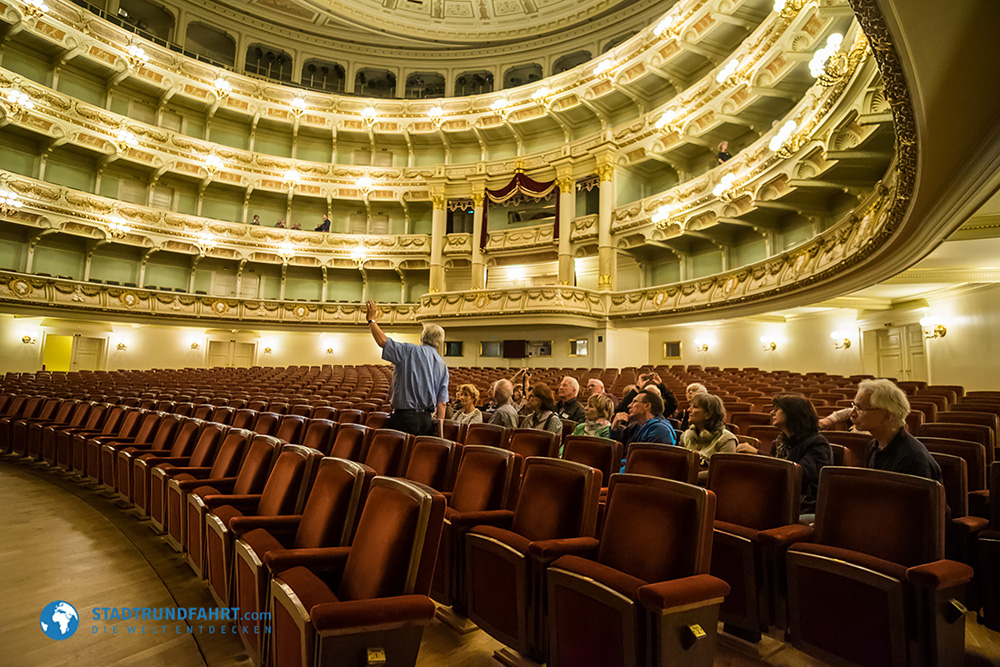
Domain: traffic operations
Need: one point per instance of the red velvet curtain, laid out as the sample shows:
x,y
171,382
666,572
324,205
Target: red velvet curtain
x,y
521,184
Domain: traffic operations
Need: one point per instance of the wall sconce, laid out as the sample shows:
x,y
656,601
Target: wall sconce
x,y
541,97
206,241
769,344
286,250
724,185
195,345
501,107
27,340
213,163
125,140
728,72
117,228
222,88
35,8
267,350
666,25
364,185
818,64
359,255
121,347
10,203
292,178
298,106
933,328
668,121
605,68
370,115
840,341
329,350
136,56
700,345
436,115
19,102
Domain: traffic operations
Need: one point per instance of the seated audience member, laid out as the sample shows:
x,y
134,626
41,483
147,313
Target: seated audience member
x,y
323,226
799,442
724,155
595,386
541,404
707,434
597,417
255,220
296,225
647,380
506,414
690,392
468,396
280,224
835,418
880,408
568,407
646,422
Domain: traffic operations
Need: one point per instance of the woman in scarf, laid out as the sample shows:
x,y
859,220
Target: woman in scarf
x,y
541,404
707,434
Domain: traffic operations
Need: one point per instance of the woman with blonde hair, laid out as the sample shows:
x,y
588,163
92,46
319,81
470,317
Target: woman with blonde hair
x,y
598,414
707,434
468,396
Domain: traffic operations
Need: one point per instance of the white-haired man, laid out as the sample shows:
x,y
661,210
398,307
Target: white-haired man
x,y
880,408
506,414
568,407
419,380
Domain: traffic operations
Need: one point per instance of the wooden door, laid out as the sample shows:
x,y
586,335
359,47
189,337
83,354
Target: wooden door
x,y
901,353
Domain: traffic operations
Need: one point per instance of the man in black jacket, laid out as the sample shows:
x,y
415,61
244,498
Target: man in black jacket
x,y
568,407
645,380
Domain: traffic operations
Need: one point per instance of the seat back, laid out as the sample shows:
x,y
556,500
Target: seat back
x,y
491,435
486,478
302,409
892,516
857,445
376,420
334,504
350,416
266,423
64,411
349,443
973,453
557,499
147,427
972,432
184,436
183,409
666,461
319,435
386,452
131,419
244,418
657,529
394,548
290,428
989,419
766,436
256,466
203,411
207,444
744,420
451,430
954,477
325,412
222,414
430,462
228,461
88,415
839,454
533,442
600,453
288,482
758,492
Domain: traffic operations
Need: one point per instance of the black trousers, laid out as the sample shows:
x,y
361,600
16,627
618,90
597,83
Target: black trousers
x,y
416,422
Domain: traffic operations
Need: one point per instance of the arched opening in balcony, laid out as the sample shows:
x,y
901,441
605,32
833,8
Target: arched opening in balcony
x,y
375,82
269,62
474,83
323,75
210,42
422,85
522,74
148,18
570,60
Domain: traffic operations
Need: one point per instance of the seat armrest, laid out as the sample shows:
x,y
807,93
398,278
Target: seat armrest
x,y
379,614
970,526
243,502
546,551
112,440
220,483
326,559
979,503
199,472
498,518
665,595
276,525
782,537
939,575
151,459
447,497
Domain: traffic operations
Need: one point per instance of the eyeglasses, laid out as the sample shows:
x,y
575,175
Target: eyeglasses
x,y
855,406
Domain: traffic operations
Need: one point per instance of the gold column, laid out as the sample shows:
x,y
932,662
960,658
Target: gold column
x,y
567,211
438,226
478,268
606,252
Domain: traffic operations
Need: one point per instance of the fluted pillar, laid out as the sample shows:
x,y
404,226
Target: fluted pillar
x,y
567,211
478,268
438,225
606,250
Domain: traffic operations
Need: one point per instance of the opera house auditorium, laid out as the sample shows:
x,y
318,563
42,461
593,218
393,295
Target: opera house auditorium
x,y
480,332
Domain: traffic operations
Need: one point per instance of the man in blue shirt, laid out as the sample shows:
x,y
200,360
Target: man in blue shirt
x,y
419,380
646,422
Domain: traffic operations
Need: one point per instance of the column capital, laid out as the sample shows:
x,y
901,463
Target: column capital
x,y
605,171
477,198
438,201
565,183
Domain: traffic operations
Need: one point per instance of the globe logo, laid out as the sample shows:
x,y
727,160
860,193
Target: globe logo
x,y
59,620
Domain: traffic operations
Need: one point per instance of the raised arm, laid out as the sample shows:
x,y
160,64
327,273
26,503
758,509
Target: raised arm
x,y
376,330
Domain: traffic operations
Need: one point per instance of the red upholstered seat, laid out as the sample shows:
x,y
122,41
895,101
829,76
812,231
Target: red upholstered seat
x,y
96,419
116,459
387,452
151,469
137,426
666,461
319,435
491,435
857,445
329,604
506,556
977,467
634,597
252,477
432,462
756,495
54,412
961,531
244,418
350,441
42,437
487,479
600,453
284,493
872,587
290,429
134,463
266,423
533,442
744,420
328,519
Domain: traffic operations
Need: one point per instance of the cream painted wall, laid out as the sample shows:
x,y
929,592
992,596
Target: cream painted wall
x,y
969,354
803,344
626,347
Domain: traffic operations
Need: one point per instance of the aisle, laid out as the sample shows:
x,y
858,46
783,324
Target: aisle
x,y
62,541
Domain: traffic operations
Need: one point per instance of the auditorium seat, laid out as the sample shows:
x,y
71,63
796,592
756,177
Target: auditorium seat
x,y
988,557
533,442
251,478
284,493
857,445
757,497
486,480
386,452
43,437
21,407
290,429
71,442
266,423
450,430
972,432
988,419
222,414
350,416
744,420
491,435
643,595
319,434
432,462
133,476
376,419
766,436
871,586
961,531
507,554
149,489
328,519
244,418
350,441
977,467
101,470
660,460
116,464
53,411
600,453
330,605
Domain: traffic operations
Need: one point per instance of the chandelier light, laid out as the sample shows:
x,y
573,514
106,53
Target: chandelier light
x,y
666,24
10,203
661,214
206,241
541,97
118,228
501,107
666,121
35,8
292,177
298,106
728,70
819,60
605,68
137,56
222,88
724,184
370,114
436,115
18,101
364,184
124,140
213,163
286,250
359,255
779,140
